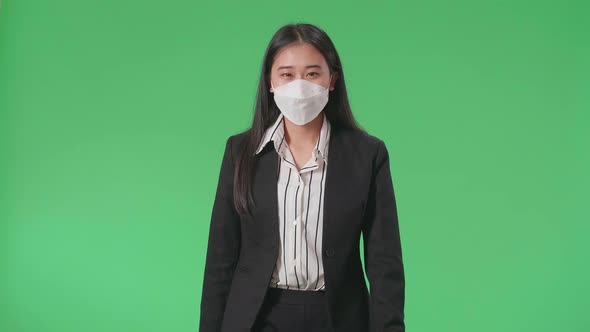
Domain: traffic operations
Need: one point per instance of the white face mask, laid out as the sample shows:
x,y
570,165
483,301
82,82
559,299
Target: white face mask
x,y
300,100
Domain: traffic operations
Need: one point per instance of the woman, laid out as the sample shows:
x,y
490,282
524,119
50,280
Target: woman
x,y
295,193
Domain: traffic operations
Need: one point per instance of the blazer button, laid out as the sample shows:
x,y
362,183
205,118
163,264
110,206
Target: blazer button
x,y
329,252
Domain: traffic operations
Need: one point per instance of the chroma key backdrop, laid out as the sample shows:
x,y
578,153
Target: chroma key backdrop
x,y
114,116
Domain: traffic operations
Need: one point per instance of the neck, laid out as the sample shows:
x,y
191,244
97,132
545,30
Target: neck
x,y
305,135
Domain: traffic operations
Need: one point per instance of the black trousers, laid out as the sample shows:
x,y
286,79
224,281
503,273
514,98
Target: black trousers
x,y
289,310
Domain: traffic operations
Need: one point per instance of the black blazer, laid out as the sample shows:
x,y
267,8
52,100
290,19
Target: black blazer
x,y
359,199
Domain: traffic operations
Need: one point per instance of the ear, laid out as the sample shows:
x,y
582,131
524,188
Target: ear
x,y
333,80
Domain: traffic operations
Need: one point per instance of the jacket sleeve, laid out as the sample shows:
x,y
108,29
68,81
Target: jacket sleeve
x,y
382,250
222,249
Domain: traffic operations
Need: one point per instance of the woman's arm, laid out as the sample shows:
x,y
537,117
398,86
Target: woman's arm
x,y
382,248
222,250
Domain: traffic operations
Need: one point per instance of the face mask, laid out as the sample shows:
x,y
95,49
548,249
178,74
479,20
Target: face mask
x,y
300,100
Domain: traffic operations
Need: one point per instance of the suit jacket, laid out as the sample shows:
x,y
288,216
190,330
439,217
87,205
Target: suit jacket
x,y
359,199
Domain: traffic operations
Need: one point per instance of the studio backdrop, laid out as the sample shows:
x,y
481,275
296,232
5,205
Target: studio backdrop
x,y
114,116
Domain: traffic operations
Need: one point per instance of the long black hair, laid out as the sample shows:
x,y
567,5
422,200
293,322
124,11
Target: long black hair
x,y
337,109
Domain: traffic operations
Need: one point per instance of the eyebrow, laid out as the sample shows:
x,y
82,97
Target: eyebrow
x,y
289,67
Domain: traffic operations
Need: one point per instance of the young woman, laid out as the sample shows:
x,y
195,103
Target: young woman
x,y
295,193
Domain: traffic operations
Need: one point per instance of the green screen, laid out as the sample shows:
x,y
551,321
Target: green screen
x,y
114,116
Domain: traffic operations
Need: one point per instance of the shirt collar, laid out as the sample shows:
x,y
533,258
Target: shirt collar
x,y
276,133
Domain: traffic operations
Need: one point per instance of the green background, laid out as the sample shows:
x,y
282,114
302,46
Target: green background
x,y
114,116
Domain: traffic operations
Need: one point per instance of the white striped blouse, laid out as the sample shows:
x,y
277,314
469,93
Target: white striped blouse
x,y
300,193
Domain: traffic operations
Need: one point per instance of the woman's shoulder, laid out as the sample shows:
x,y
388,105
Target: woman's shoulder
x,y
364,137
234,141
355,139
237,138
361,140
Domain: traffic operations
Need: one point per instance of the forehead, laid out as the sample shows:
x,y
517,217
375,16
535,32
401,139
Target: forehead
x,y
299,55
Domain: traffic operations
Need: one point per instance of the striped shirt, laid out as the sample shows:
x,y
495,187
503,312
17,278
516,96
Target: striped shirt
x,y
300,193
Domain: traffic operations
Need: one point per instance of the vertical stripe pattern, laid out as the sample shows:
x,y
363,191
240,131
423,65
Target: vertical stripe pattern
x,y
300,193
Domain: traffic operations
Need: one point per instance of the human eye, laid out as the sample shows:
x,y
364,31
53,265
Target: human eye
x,y
313,72
286,74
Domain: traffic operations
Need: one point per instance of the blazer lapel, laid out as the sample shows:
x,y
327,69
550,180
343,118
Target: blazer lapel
x,y
264,190
335,185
